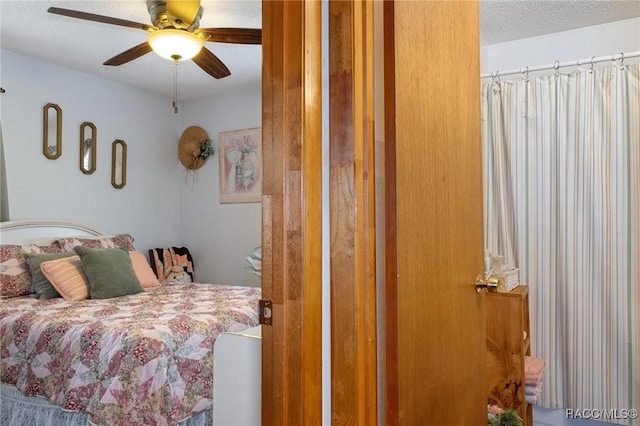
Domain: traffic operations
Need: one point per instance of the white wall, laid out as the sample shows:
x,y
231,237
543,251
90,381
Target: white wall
x,y
158,205
598,40
41,188
219,236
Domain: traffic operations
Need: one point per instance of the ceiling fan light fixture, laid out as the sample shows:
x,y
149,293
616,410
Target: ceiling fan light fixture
x,y
175,44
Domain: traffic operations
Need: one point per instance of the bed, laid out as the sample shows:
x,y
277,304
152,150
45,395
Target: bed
x,y
140,358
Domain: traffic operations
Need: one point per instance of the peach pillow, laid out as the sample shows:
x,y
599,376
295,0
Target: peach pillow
x,y
147,278
67,277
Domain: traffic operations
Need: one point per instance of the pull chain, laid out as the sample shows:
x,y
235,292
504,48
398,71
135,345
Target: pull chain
x,y
175,84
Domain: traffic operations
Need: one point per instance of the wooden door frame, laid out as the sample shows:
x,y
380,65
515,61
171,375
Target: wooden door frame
x,y
292,213
391,305
352,207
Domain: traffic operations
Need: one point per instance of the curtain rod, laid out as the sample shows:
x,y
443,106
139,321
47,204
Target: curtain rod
x,y
557,64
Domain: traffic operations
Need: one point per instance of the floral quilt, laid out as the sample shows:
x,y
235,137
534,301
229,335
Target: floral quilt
x,y
143,359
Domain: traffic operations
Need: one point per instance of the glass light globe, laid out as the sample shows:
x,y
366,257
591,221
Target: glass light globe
x,y
177,45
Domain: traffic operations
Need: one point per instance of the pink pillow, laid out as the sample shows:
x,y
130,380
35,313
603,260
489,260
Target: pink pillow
x,y
147,278
15,276
107,241
67,277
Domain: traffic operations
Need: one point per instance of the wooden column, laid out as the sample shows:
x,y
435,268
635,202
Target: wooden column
x,y
353,302
291,213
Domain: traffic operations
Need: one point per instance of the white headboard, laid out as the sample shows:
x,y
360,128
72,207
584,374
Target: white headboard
x,y
25,231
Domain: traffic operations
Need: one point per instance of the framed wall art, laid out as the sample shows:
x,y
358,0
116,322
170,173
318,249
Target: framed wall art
x,y
240,154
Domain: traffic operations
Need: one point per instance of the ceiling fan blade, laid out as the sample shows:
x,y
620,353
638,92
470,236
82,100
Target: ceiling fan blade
x,y
99,18
185,11
233,35
129,55
211,64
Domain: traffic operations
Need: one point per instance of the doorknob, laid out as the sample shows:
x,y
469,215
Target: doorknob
x,y
490,283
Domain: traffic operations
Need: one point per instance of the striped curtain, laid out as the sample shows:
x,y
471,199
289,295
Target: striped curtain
x,y
562,180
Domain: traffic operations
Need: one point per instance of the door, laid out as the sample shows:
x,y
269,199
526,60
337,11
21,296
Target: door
x,y
435,340
435,357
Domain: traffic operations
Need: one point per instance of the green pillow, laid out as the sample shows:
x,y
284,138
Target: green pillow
x,y
109,271
42,286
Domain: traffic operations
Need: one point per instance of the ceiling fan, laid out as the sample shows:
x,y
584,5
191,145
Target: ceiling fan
x,y
175,34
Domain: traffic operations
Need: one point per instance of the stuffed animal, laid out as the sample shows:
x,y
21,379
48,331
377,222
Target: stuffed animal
x,y
177,274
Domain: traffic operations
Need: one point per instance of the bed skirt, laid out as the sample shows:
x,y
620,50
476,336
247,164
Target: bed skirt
x,y
19,410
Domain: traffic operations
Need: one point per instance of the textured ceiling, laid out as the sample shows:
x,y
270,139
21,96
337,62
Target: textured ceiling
x,y
27,29
506,20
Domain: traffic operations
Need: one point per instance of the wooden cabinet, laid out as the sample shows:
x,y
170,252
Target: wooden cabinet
x,y
508,341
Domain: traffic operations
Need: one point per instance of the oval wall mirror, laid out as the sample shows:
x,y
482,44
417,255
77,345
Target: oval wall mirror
x,y
88,141
52,131
118,164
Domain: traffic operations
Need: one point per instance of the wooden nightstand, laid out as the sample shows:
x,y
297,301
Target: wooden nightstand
x,y
508,341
